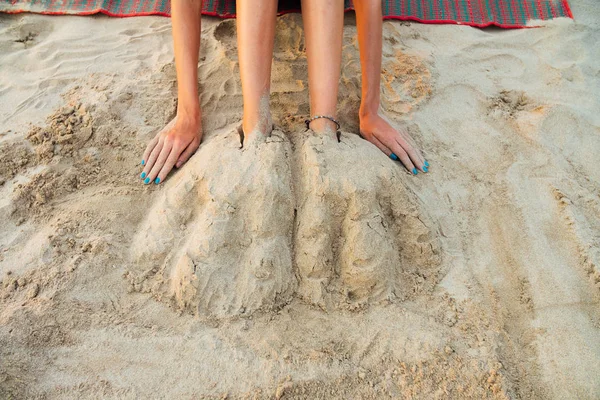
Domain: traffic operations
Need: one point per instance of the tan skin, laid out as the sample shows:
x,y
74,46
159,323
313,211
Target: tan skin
x,y
255,21
324,31
176,142
374,127
323,21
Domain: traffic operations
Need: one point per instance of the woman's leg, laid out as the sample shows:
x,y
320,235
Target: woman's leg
x,y
323,30
255,37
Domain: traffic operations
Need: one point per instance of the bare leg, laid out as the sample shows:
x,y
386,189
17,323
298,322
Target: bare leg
x,y
323,30
255,36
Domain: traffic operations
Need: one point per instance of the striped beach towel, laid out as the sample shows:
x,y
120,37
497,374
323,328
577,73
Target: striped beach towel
x,y
480,13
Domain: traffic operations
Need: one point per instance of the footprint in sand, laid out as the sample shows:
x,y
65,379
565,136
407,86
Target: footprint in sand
x,y
241,230
28,33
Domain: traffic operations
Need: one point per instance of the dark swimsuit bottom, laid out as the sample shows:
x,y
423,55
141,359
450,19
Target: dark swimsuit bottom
x,y
227,7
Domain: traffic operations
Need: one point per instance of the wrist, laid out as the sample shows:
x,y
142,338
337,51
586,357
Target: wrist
x,y
368,110
189,112
370,98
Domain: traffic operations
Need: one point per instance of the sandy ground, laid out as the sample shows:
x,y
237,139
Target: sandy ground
x,y
299,267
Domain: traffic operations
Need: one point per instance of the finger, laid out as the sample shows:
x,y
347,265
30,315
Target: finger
x,y
169,163
155,140
152,159
372,139
382,147
403,156
187,153
412,153
149,149
419,160
411,141
160,161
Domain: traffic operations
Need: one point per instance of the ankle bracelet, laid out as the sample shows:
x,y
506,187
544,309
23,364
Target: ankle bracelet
x,y
308,121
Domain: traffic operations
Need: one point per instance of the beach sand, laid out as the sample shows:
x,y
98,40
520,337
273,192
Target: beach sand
x,y
297,266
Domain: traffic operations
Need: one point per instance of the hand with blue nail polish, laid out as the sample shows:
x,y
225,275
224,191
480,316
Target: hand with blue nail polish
x,y
374,126
171,147
397,143
176,142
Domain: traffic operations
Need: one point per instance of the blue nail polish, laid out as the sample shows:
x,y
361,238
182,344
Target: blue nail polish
x,y
394,157
415,171
157,180
147,180
425,169
143,175
143,162
426,163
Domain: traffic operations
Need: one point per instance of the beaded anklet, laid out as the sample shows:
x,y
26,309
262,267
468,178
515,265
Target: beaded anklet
x,y
337,133
311,119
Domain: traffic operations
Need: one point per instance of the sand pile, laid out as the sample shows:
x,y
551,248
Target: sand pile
x,y
246,229
297,266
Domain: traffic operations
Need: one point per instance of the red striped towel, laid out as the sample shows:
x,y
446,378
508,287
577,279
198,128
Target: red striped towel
x,y
481,13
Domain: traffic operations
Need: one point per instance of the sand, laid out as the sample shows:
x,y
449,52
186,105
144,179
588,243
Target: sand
x,y
297,266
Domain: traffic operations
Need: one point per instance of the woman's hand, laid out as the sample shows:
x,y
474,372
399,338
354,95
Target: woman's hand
x,y
374,127
395,143
177,141
172,146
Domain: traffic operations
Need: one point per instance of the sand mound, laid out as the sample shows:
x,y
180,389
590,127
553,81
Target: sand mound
x,y
243,229
218,240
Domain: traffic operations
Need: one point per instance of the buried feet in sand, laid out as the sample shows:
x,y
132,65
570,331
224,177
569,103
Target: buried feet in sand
x,y
257,123
314,225
215,245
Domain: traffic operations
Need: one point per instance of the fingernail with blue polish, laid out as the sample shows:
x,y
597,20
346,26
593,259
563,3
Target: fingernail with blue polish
x,y
143,175
415,171
143,162
426,163
425,169
147,180
157,181
394,157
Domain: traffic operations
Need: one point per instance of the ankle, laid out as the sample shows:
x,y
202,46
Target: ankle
x,y
323,125
261,123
